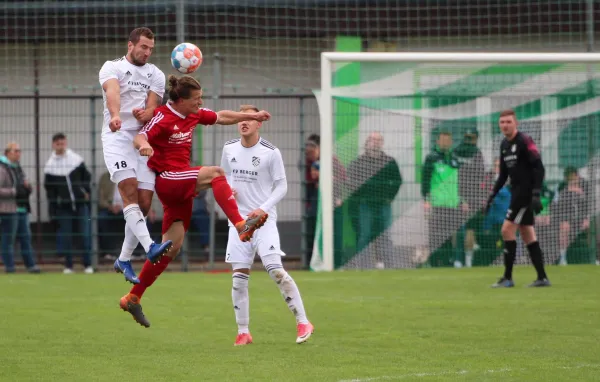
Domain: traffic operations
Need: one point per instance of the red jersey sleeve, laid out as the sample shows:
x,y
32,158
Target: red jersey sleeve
x,y
153,127
206,117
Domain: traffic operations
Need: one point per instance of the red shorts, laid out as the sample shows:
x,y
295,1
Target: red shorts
x,y
176,191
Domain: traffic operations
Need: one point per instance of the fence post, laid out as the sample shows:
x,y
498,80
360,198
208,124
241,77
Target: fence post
x,y
36,132
591,123
93,185
302,164
212,210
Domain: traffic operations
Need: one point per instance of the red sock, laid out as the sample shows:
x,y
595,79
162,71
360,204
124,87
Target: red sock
x,y
149,274
225,199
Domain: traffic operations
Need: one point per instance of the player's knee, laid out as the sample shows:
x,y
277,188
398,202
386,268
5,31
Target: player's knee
x,y
279,275
240,280
508,233
128,190
176,247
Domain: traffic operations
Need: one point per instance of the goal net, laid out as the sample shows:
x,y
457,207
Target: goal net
x,y
410,147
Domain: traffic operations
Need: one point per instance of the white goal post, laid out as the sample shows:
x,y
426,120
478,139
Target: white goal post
x,y
326,105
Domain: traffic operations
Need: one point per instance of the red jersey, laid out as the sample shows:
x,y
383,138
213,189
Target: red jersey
x,y
170,135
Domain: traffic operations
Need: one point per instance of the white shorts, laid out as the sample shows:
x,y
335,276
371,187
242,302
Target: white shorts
x,y
123,161
265,241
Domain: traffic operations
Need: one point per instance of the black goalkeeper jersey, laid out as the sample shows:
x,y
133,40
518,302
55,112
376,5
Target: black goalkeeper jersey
x,y
521,161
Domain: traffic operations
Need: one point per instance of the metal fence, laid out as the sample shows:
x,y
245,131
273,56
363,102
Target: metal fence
x,y
32,120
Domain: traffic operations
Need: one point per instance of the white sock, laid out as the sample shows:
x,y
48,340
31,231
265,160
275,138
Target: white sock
x,y
468,258
289,291
241,301
137,224
130,243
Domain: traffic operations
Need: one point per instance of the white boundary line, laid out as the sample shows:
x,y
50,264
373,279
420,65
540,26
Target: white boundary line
x,y
460,372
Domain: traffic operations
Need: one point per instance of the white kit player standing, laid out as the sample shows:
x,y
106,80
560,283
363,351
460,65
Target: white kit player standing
x,y
132,89
255,170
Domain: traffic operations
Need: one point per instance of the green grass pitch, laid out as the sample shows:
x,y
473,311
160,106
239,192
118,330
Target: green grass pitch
x,y
425,325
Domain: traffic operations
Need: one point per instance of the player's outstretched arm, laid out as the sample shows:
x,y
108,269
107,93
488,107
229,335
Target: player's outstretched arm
x,y
113,102
140,142
230,117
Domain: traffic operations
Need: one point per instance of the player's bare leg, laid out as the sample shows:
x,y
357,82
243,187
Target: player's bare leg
x,y
136,204
214,177
535,254
291,295
509,235
150,272
241,303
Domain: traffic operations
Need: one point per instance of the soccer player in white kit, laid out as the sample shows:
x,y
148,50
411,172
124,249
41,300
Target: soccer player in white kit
x,y
132,89
254,169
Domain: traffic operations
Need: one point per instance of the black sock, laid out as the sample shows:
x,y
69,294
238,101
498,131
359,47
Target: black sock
x,y
510,253
537,258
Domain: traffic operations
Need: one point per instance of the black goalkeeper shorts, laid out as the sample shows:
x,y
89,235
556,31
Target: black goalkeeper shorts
x,y
520,213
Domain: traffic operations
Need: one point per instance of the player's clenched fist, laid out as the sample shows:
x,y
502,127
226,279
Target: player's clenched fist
x,y
142,115
262,116
115,123
146,150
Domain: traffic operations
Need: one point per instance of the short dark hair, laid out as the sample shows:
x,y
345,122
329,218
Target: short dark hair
x,y
508,112
58,137
444,132
314,138
182,87
137,33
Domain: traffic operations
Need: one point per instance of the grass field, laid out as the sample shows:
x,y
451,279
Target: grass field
x,y
426,325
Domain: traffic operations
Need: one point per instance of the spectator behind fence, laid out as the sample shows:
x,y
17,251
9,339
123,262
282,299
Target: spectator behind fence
x,y
8,214
312,170
573,210
439,189
311,153
11,158
111,223
374,180
67,184
472,193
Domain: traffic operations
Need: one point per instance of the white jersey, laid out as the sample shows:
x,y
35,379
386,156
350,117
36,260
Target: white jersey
x,y
135,83
252,171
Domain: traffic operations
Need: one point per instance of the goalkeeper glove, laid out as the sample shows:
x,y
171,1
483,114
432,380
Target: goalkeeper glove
x,y
536,203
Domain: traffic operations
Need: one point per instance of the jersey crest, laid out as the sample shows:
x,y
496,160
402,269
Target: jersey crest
x,y
255,161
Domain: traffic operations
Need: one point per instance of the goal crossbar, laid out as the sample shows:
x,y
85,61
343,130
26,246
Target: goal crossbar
x,y
326,109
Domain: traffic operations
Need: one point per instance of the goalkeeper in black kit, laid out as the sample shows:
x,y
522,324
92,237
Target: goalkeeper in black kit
x,y
520,160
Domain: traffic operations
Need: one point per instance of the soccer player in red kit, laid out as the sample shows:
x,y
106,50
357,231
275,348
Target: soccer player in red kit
x,y
167,140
